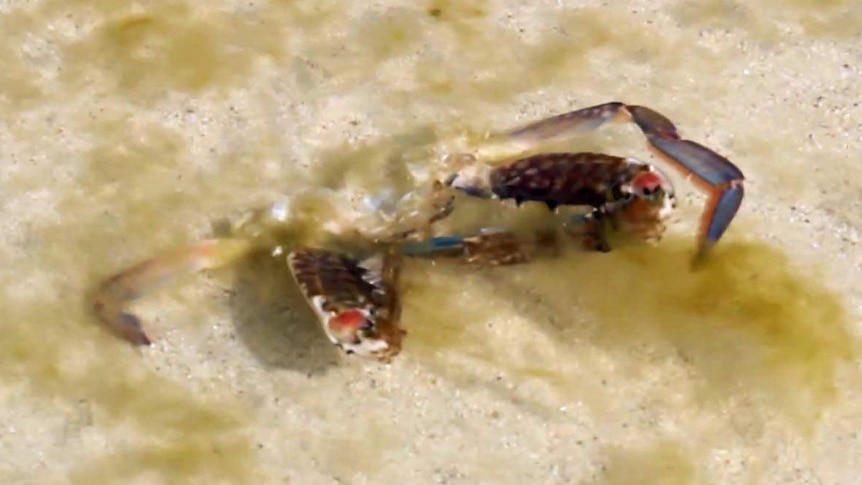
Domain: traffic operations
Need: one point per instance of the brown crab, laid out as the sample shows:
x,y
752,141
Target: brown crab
x,y
356,300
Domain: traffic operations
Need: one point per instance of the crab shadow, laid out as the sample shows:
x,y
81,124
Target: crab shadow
x,y
746,323
273,320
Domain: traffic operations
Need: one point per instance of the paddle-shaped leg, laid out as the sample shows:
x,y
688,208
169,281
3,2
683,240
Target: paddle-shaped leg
x,y
356,302
714,174
114,296
491,247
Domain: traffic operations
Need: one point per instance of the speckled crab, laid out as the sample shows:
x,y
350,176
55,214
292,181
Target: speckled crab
x,y
344,248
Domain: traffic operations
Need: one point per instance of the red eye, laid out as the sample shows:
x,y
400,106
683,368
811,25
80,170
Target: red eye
x,y
647,183
346,323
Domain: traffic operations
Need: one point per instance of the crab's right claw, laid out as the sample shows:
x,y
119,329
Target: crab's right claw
x,y
113,297
716,175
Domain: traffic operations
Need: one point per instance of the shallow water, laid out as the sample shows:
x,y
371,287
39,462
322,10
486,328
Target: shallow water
x,y
125,130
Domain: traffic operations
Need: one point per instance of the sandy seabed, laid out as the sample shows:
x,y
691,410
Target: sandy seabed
x,y
127,128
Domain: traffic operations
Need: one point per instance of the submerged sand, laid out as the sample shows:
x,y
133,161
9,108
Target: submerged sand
x,y
128,129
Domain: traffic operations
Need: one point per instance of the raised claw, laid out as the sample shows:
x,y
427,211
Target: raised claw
x,y
567,124
720,210
112,297
713,173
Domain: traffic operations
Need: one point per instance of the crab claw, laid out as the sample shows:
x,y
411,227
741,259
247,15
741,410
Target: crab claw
x,y
567,124
714,174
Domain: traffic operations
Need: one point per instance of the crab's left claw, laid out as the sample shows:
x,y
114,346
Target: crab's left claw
x,y
716,175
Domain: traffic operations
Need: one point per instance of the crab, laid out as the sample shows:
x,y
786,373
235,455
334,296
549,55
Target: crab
x,y
344,248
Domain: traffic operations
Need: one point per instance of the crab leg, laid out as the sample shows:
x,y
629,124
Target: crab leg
x,y
714,174
115,294
492,246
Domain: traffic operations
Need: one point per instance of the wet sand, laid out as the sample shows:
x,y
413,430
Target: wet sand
x,y
126,130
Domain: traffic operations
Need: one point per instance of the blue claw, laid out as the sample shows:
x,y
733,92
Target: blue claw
x,y
697,159
580,219
717,216
716,174
432,245
564,125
